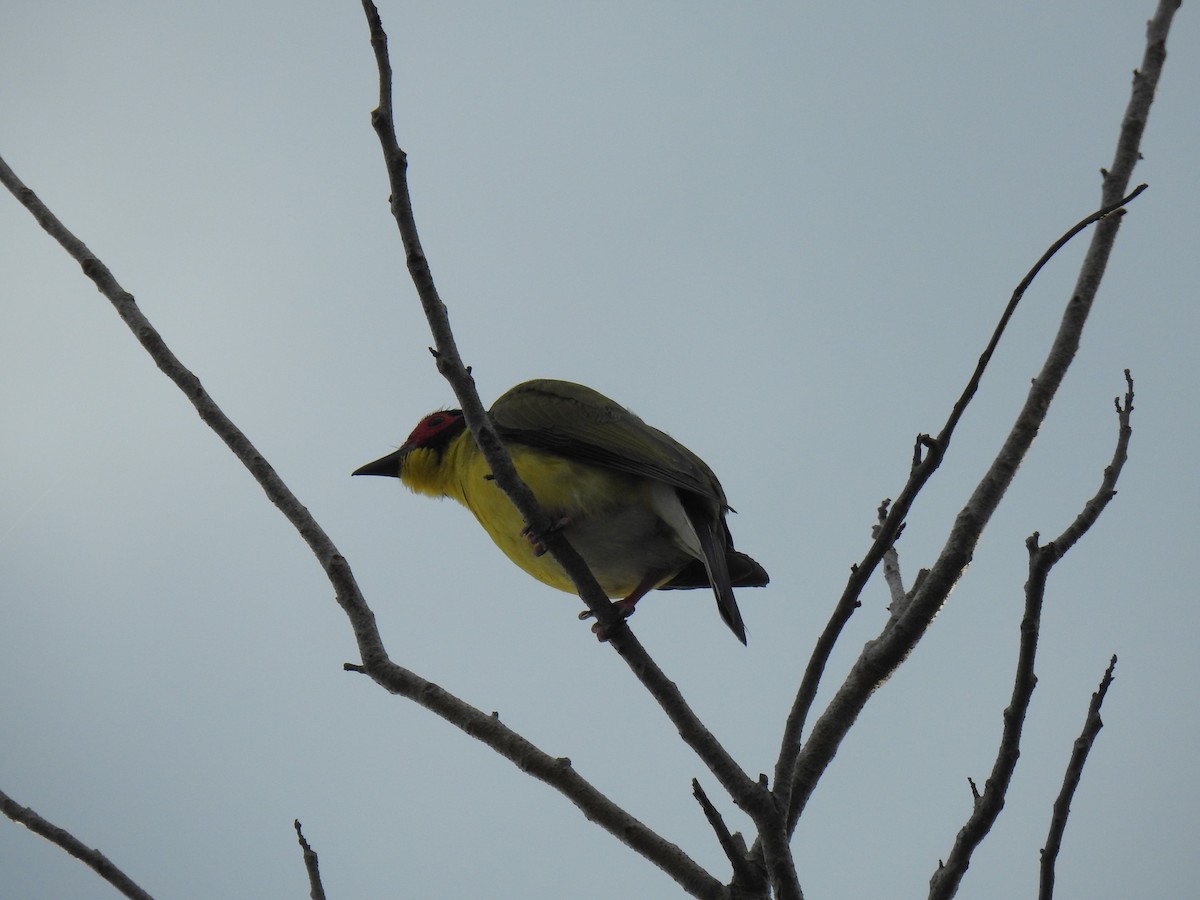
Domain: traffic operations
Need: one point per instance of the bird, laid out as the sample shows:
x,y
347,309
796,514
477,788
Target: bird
x,y
642,510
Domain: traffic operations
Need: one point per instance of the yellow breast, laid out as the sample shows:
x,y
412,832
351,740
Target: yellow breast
x,y
614,520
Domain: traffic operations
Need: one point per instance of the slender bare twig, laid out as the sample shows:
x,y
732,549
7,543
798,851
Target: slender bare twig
x,y
1116,208
881,656
94,859
1062,804
316,890
1042,558
744,791
745,875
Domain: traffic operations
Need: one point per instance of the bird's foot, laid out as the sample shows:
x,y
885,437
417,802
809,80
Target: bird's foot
x,y
602,633
535,537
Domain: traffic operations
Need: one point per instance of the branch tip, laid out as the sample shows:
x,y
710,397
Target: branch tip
x,y
316,889
732,845
1080,749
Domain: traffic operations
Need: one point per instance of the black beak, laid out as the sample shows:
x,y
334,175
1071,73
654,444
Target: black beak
x,y
388,465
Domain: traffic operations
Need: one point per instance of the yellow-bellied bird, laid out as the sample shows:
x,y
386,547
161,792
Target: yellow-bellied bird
x,y
643,511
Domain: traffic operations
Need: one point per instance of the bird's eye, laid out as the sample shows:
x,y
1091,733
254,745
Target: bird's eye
x,y
435,421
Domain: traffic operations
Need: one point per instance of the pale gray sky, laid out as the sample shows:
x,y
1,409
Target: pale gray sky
x,y
781,232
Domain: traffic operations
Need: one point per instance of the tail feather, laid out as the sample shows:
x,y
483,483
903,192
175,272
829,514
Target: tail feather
x,y
715,563
743,572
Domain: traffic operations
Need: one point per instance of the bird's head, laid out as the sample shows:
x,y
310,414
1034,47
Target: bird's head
x,y
418,461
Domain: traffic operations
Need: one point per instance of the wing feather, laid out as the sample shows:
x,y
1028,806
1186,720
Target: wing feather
x,y
579,423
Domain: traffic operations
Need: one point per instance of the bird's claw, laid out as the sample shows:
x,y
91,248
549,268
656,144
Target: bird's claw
x,y
535,538
624,608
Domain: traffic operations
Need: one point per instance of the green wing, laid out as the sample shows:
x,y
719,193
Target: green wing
x,y
579,423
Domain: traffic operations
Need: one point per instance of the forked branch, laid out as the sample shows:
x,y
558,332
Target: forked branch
x,y
1042,558
928,454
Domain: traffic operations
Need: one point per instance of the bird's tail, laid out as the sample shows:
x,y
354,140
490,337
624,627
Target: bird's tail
x,y
713,543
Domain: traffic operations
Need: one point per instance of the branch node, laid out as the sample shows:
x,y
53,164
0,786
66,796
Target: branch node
x,y
923,442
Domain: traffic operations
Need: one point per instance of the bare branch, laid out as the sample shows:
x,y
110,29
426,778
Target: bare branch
x,y
1062,804
881,656
94,859
1042,558
315,889
928,453
1108,486
559,774
731,776
891,523
376,662
331,560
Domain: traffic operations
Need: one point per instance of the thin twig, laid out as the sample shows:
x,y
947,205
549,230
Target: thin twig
x,y
881,656
1062,804
94,859
744,874
1115,209
315,889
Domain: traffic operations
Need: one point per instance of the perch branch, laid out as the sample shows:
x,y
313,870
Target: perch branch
x,y
739,785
